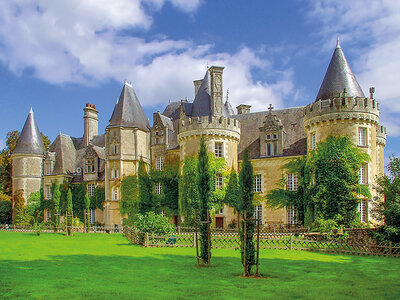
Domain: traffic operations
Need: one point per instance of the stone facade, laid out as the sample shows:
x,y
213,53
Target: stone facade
x,y
273,138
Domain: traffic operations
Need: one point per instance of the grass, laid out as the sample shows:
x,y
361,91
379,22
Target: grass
x,y
101,266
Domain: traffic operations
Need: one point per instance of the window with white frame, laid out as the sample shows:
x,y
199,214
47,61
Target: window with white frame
x,y
90,189
257,183
48,168
92,216
162,212
362,136
158,188
313,141
218,149
47,216
363,206
257,215
90,166
115,195
114,173
159,163
219,181
47,191
291,216
363,174
292,182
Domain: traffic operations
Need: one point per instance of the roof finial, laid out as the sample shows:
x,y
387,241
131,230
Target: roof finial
x,y
227,95
270,108
31,111
337,42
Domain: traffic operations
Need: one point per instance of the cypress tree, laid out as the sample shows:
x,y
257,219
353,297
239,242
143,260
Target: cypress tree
x,y
145,190
204,188
246,207
56,204
87,207
69,211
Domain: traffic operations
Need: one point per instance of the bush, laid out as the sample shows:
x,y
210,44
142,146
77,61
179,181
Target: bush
x,y
329,228
5,212
153,224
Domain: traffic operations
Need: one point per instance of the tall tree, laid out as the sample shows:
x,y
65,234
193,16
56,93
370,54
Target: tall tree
x,y
56,204
170,186
5,159
232,195
20,215
87,208
387,204
129,204
246,207
188,192
146,196
204,187
69,211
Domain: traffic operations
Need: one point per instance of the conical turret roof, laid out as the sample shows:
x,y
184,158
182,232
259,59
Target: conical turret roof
x,y
338,77
128,111
30,141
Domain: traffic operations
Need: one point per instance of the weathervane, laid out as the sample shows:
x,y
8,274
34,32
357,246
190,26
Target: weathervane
x,y
270,108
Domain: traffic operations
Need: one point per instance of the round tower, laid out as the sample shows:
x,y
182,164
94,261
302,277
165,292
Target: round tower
x,y
27,159
208,117
341,108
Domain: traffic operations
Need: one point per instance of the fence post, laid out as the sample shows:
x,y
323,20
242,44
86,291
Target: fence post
x,y
147,240
194,240
390,249
291,242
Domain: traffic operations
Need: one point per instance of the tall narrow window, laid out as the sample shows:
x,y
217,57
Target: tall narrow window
x,y
92,216
313,141
90,166
291,215
47,191
48,215
292,182
114,148
48,168
258,213
275,148
158,188
159,163
362,136
363,174
115,195
269,149
90,189
218,150
257,183
219,181
363,210
114,173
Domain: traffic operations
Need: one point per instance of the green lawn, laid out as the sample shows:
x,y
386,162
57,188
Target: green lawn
x,y
102,266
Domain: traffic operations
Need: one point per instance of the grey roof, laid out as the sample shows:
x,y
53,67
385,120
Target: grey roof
x,y
229,108
30,141
167,122
201,105
128,111
65,154
295,142
172,110
338,77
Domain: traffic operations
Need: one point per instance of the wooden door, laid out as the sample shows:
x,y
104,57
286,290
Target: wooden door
x,y
219,222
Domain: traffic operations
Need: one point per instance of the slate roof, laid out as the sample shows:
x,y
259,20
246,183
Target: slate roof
x,y
295,142
30,140
65,154
229,108
128,111
339,76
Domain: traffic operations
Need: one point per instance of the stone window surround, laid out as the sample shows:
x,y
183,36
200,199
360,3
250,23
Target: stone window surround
x,y
257,184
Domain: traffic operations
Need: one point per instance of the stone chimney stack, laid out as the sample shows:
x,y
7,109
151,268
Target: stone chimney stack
x,y
243,109
216,90
90,122
197,84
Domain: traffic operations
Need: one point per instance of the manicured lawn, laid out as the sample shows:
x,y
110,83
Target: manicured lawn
x,y
102,266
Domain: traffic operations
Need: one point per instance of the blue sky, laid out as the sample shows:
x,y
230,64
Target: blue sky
x,y
58,55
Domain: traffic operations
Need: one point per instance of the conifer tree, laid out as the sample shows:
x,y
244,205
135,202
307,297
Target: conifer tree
x,y
232,195
87,207
69,211
146,196
246,207
204,188
19,216
56,204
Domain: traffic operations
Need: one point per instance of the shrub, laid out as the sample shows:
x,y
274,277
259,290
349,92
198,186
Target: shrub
x,y
154,224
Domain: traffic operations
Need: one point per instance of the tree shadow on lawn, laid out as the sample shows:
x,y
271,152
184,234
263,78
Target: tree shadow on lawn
x,y
177,276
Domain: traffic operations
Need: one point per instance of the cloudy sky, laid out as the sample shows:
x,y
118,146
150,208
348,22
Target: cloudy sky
x,y
55,56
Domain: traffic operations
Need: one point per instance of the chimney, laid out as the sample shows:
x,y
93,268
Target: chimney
x,y
216,90
243,109
197,84
90,122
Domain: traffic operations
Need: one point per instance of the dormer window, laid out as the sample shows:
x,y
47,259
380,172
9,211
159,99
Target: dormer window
x,y
268,137
90,167
271,149
272,136
48,168
275,136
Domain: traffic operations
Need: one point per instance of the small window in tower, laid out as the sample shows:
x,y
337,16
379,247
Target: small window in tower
x,y
219,181
363,174
313,141
159,163
362,136
114,173
218,149
115,149
48,170
115,193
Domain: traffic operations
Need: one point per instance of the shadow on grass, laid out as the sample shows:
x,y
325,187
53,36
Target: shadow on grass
x,y
177,276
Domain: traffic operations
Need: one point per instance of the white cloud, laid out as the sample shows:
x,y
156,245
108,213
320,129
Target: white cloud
x,y
374,24
81,41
